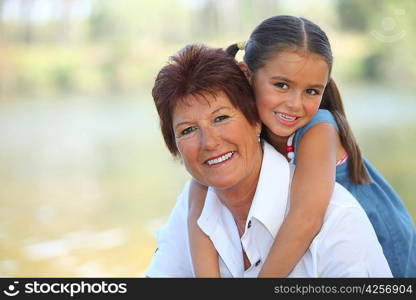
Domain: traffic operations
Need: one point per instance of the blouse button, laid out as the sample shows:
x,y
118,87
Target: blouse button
x,y
257,263
249,224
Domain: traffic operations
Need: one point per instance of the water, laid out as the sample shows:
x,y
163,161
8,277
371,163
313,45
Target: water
x,y
85,182
375,108
80,180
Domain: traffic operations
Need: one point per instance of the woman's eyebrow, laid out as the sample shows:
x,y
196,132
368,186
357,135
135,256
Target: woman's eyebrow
x,y
181,123
213,112
221,108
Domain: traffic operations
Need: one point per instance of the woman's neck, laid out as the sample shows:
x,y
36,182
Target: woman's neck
x,y
238,198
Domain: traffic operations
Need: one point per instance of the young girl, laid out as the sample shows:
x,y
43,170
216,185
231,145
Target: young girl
x,y
288,62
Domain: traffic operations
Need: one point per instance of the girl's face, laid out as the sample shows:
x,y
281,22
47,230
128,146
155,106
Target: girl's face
x,y
289,90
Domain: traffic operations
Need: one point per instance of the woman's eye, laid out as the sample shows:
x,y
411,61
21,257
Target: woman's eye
x,y
187,130
282,85
221,118
312,92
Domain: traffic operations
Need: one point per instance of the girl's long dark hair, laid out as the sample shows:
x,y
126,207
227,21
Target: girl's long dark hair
x,y
281,33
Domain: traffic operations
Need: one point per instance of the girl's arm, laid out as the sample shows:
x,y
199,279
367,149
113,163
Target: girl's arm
x,y
203,252
311,190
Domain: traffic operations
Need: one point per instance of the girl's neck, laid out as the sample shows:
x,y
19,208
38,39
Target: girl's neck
x,y
278,142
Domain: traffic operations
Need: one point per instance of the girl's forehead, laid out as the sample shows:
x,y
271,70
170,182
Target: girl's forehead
x,y
295,57
292,63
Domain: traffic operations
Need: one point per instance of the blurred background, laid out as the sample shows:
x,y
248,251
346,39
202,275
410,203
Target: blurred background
x,y
85,178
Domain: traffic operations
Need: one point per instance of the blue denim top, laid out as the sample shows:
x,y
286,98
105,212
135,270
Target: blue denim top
x,y
392,223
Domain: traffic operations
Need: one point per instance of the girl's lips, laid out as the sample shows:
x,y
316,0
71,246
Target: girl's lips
x,y
286,119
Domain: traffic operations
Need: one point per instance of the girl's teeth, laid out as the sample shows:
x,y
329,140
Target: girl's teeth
x,y
220,159
286,117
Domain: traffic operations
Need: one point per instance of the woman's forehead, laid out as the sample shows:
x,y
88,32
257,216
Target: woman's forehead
x,y
200,104
207,99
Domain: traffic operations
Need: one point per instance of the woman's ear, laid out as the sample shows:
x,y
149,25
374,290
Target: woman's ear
x,y
243,66
258,129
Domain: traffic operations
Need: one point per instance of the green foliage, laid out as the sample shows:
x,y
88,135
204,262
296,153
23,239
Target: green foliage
x,y
120,45
355,15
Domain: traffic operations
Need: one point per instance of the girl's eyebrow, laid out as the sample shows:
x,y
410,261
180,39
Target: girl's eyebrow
x,y
315,86
282,78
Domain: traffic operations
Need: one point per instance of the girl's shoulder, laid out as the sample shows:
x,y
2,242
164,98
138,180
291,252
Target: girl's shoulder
x,y
321,116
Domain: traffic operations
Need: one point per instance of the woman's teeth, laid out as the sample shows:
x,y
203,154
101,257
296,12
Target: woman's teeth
x,y
286,117
220,159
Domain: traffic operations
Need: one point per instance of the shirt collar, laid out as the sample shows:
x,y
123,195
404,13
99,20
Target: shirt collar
x,y
271,198
269,202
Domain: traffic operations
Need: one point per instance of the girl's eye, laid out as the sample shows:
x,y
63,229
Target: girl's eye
x,y
188,130
312,92
221,118
282,85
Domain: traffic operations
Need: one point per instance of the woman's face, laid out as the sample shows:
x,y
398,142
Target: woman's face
x,y
289,90
217,144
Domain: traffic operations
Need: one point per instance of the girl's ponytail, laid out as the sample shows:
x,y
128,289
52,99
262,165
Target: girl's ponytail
x,y
331,100
232,49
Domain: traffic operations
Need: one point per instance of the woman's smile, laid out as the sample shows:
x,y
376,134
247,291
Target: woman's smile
x,y
219,160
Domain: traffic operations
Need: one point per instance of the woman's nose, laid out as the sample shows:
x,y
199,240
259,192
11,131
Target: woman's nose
x,y
209,138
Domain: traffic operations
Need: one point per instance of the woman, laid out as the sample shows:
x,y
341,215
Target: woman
x,y
209,119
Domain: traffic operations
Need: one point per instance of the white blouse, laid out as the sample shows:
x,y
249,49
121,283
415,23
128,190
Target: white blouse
x,y
346,245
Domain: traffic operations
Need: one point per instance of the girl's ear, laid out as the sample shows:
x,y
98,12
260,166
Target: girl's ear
x,y
243,66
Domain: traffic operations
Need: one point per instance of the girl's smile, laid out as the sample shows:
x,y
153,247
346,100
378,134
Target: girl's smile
x,y
286,119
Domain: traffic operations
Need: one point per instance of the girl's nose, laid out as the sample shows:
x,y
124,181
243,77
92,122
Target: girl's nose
x,y
294,101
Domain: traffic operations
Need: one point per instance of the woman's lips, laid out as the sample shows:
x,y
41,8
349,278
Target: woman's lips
x,y
219,159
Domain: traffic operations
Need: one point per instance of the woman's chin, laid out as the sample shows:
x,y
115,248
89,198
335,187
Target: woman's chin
x,y
223,183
